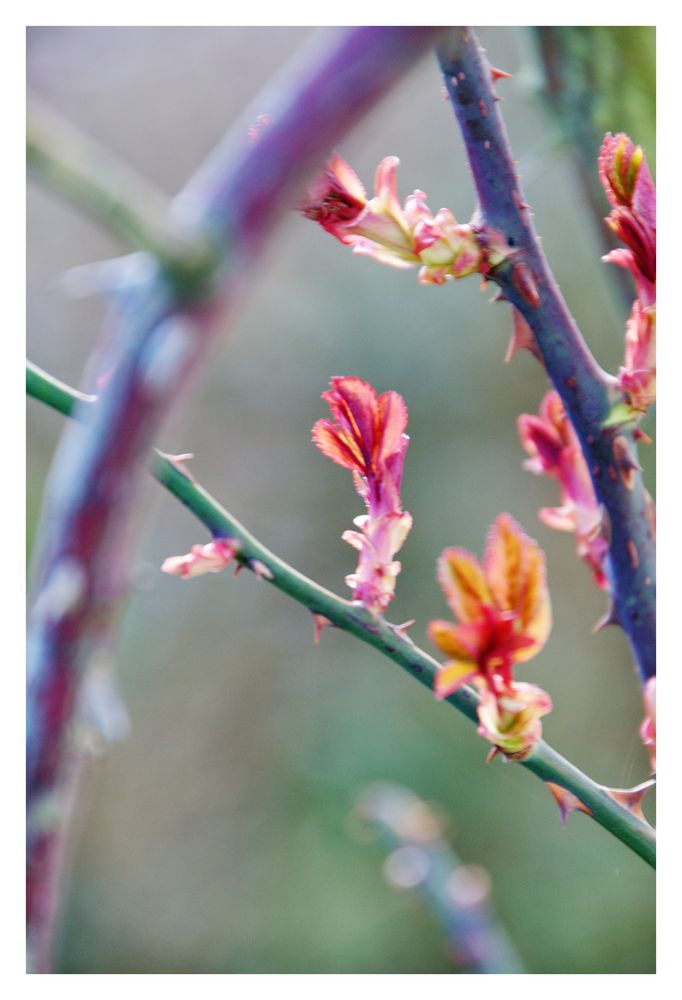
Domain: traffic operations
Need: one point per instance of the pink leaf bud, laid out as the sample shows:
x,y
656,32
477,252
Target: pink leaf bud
x,y
628,185
401,236
552,444
501,605
210,558
647,731
512,720
366,435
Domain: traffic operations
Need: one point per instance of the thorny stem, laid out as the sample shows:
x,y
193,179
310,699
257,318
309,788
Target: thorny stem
x,y
544,762
156,341
586,391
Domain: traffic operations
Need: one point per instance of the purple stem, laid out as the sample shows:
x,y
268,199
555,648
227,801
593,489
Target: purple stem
x,y
586,391
155,343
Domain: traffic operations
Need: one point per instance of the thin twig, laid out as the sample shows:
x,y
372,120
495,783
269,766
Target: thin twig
x,y
458,895
352,618
586,391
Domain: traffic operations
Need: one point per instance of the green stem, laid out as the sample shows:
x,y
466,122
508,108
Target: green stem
x,y
545,762
51,391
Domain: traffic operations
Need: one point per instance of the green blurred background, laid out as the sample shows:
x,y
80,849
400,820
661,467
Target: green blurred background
x,y
216,837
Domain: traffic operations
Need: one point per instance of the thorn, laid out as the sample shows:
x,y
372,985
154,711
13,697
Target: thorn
x,y
499,74
639,435
631,798
499,297
610,617
401,630
238,568
567,801
627,465
633,553
651,514
522,338
178,461
493,754
321,623
519,202
524,282
261,570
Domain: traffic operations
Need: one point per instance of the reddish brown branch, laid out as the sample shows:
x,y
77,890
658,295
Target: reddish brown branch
x,y
586,392
155,344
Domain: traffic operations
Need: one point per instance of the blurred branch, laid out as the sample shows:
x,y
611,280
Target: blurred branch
x,y
588,94
91,178
389,639
586,391
420,858
157,338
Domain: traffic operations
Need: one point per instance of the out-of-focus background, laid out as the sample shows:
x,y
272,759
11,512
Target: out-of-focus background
x,y
216,838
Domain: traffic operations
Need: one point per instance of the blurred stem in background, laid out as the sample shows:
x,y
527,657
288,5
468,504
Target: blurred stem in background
x,y
599,79
94,180
162,329
458,895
